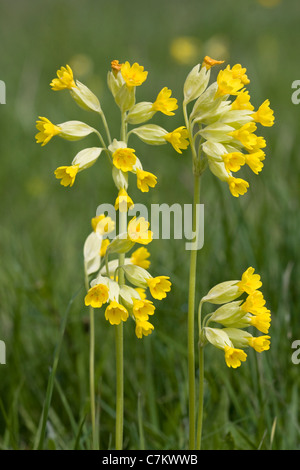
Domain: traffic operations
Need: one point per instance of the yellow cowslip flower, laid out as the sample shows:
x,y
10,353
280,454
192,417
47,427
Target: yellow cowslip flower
x,y
123,201
144,180
250,282
124,159
138,231
234,357
237,186
159,286
245,135
141,292
242,101
102,224
143,328
103,248
115,313
260,343
139,257
264,115
134,75
240,72
178,138
254,161
65,79
47,130
254,303
97,296
227,83
233,161
208,62
262,321
164,103
67,174
142,309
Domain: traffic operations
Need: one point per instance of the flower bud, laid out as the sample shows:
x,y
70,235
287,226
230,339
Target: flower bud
x,y
223,292
141,112
91,253
85,98
195,83
136,275
125,97
217,337
74,130
150,134
228,313
87,157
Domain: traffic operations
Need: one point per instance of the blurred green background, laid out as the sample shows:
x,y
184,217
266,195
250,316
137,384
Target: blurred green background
x,y
43,225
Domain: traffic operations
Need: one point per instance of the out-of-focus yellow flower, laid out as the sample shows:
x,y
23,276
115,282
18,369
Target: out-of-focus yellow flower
x,y
124,159
234,357
159,286
47,130
138,231
143,328
97,296
237,186
233,161
145,179
65,79
134,75
264,115
185,49
67,174
140,257
178,138
123,201
250,282
115,313
164,103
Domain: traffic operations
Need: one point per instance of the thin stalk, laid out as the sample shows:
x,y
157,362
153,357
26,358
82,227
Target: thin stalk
x,y
119,330
191,322
192,288
92,370
105,126
201,381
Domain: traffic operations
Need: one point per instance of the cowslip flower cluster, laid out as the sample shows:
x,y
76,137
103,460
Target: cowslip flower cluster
x,y
129,298
236,315
222,124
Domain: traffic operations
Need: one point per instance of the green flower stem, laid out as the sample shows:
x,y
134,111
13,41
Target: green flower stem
x,y
201,381
105,126
191,323
92,369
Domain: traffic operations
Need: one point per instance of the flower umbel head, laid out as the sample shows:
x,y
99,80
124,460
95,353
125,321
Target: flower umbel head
x,y
134,75
65,79
47,130
67,174
178,138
